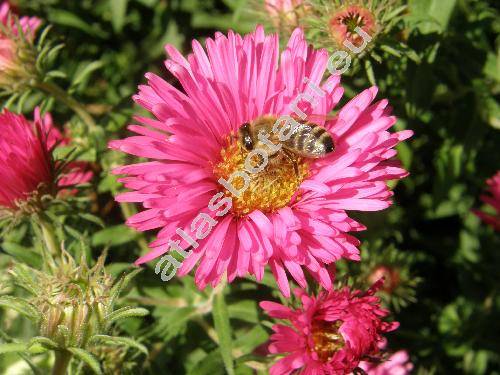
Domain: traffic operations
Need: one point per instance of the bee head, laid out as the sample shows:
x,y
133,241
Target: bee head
x,y
245,136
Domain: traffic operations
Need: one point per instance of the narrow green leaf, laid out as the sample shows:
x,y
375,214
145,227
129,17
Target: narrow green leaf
x,y
93,219
223,328
88,358
44,341
66,18
84,73
125,312
12,348
118,13
113,236
122,284
116,340
21,306
22,253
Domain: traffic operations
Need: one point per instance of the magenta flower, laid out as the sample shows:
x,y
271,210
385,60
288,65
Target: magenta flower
x,y
292,216
330,334
11,64
26,161
397,364
492,200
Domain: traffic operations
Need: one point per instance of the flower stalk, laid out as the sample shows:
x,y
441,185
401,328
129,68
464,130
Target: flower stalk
x,y
63,358
65,98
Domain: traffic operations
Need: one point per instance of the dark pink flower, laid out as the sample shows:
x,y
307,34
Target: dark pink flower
x,y
329,334
291,219
397,364
26,160
492,200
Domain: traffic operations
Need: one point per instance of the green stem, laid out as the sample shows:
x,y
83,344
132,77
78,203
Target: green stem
x,y
63,357
51,248
49,237
67,99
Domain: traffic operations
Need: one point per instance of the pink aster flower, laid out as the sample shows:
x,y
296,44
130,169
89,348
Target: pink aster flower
x,y
492,200
13,37
329,334
293,216
26,161
397,364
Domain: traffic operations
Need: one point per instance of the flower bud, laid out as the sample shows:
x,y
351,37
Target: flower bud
x,y
17,51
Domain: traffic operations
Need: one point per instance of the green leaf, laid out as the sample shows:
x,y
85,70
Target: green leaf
x,y
118,13
114,236
23,254
12,348
21,306
122,284
223,328
88,358
44,341
63,17
211,364
434,15
246,310
172,322
93,219
86,72
125,312
248,341
116,340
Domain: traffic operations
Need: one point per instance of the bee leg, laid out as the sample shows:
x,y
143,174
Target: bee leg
x,y
293,161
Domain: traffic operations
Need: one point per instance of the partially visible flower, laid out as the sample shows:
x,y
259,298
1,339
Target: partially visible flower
x,y
390,275
283,13
17,58
397,364
329,334
28,25
367,30
493,200
344,21
27,162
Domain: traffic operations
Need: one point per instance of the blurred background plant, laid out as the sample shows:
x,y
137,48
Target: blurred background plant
x,y
437,61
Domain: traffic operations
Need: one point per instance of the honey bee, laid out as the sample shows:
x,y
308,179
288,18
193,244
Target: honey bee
x,y
308,140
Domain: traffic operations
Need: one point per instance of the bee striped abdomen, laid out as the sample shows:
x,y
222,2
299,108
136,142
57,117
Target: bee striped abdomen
x,y
311,141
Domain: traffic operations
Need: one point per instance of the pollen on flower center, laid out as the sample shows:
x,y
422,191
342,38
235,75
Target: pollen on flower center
x,y
273,188
327,339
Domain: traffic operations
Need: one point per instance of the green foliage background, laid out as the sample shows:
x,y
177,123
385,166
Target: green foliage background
x,y
449,98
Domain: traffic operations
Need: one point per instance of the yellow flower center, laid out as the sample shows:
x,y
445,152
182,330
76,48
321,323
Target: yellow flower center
x,y
327,339
268,190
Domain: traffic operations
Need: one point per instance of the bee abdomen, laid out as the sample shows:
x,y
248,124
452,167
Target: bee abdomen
x,y
311,141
